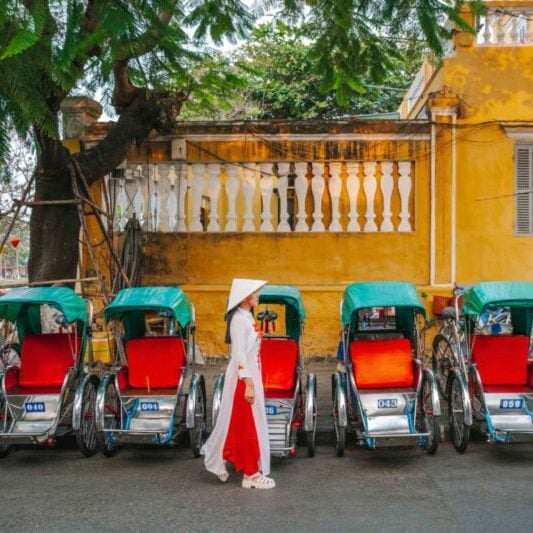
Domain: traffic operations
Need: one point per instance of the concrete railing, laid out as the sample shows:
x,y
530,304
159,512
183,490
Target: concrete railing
x,y
511,26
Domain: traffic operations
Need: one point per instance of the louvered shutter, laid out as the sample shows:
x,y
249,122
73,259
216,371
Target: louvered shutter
x,y
524,189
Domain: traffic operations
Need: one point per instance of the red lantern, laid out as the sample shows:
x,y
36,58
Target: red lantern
x,y
14,241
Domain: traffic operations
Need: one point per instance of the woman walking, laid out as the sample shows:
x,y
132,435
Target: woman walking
x,y
240,435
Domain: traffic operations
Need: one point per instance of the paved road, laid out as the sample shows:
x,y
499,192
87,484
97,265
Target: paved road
x,y
487,489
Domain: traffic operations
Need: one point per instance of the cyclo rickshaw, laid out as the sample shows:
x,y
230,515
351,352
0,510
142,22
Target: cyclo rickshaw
x,y
152,394
46,393
488,374
385,392
289,407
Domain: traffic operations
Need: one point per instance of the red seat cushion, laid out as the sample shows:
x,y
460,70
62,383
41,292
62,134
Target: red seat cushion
x,y
382,364
45,359
501,360
155,362
279,358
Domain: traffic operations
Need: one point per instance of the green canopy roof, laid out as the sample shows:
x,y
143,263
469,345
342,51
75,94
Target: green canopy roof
x,y
141,299
16,301
379,294
283,294
498,293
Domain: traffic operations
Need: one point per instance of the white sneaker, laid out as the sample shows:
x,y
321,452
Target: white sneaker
x,y
258,481
223,477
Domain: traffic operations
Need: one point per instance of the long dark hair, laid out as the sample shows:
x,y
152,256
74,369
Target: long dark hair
x,y
229,317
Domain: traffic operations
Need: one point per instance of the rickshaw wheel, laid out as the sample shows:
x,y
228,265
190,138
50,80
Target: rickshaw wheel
x,y
311,435
106,442
442,361
197,433
86,435
459,431
426,420
340,432
4,448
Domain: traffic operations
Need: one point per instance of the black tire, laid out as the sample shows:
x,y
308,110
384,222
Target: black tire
x,y
112,408
459,431
197,433
340,432
86,435
4,425
311,435
426,420
442,362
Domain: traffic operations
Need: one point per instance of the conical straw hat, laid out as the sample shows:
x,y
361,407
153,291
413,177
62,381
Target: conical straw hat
x,y
241,288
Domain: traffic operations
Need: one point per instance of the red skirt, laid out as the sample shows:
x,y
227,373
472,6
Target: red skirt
x,y
242,447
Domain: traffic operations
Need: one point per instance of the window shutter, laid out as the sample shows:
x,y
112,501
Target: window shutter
x,y
524,190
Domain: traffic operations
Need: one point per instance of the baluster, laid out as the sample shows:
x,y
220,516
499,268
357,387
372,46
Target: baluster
x,y
370,186
352,184
500,29
335,188
153,178
197,188
528,30
404,185
232,189
172,178
248,189
214,191
163,192
267,186
147,199
182,184
387,186
300,186
283,183
122,203
318,185
487,27
513,30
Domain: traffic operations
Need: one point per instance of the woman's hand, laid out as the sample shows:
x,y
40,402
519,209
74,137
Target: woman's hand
x,y
249,393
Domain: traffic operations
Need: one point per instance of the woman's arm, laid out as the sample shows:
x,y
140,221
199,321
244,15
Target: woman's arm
x,y
238,345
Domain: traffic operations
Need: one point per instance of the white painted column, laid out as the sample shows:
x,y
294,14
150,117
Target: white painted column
x,y
172,178
248,189
335,188
163,193
404,185
318,185
352,184
147,198
370,186
387,186
232,189
213,170
267,185
153,173
182,185
197,189
300,186
283,183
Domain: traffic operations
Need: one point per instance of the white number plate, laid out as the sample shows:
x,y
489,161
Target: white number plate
x,y
512,404
389,403
34,407
271,410
150,406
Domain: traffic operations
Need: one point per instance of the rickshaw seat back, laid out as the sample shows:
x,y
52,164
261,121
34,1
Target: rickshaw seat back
x,y
382,364
279,358
155,362
45,359
501,360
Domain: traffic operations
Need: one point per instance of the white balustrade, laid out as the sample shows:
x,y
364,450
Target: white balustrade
x,y
387,186
352,185
197,188
170,196
267,188
232,190
370,186
213,170
248,189
335,189
283,184
301,184
404,185
511,26
317,186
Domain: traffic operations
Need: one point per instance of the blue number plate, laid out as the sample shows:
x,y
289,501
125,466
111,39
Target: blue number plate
x,y
390,403
150,407
271,410
34,407
512,404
